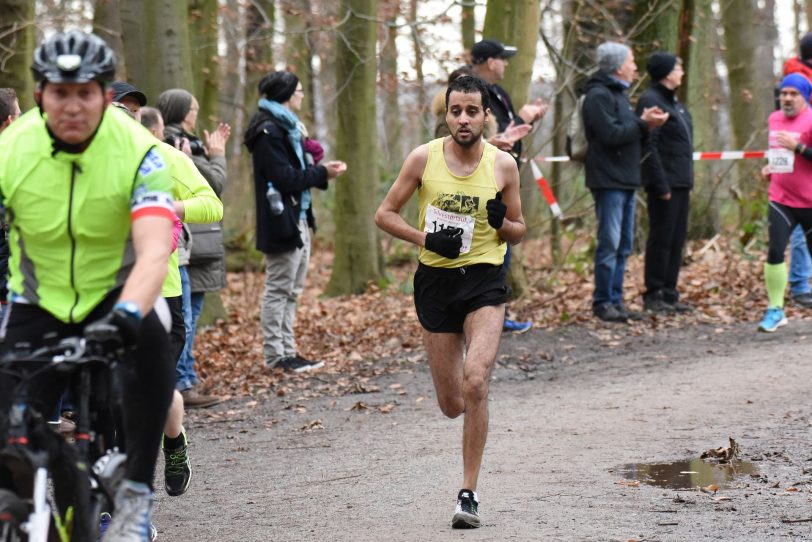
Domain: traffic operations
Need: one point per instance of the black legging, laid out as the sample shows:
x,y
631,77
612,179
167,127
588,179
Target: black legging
x,y
782,220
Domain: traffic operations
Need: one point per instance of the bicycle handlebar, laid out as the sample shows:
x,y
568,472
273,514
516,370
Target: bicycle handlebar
x,y
68,351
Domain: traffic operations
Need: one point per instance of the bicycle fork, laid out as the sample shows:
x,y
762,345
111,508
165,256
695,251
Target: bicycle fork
x,y
39,519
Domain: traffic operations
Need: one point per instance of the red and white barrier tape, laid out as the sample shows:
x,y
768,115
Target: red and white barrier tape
x,y
723,155
546,190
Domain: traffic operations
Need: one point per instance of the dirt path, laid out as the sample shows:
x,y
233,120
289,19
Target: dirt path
x,y
567,408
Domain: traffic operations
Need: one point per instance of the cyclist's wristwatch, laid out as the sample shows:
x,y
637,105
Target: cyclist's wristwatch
x,y
130,308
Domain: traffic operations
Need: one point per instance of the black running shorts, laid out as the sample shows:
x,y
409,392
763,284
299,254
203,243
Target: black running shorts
x,y
444,297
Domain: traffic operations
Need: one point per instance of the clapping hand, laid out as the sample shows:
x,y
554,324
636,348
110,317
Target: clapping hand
x,y
216,141
513,133
533,111
335,168
654,116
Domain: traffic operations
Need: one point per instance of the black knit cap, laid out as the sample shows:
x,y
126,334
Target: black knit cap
x,y
278,86
806,46
660,65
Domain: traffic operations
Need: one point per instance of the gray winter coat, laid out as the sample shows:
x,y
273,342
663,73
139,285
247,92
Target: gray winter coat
x,y
209,276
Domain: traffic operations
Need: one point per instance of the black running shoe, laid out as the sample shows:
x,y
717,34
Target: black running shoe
x,y
466,515
298,364
177,467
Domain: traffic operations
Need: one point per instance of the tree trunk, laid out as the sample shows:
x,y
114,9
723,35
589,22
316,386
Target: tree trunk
x,y
686,44
749,104
656,28
356,242
298,52
808,16
468,25
705,100
205,59
255,26
426,124
16,48
107,25
156,45
515,22
391,142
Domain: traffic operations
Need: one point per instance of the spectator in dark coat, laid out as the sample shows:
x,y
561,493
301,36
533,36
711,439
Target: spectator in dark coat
x,y
284,162
615,136
668,175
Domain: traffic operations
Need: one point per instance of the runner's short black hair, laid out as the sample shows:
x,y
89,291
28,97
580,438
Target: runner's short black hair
x,y
469,84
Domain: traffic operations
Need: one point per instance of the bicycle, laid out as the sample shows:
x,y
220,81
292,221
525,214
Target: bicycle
x,y
34,454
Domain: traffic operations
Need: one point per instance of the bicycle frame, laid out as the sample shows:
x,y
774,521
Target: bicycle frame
x,y
31,443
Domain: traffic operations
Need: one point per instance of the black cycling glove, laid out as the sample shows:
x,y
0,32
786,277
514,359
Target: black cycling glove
x,y
496,211
117,327
446,242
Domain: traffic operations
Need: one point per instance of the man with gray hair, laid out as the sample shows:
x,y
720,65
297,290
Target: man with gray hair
x,y
615,136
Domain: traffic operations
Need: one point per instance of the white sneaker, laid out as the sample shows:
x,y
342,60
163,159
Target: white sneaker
x,y
131,517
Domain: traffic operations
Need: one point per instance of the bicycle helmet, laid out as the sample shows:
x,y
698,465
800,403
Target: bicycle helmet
x,y
74,57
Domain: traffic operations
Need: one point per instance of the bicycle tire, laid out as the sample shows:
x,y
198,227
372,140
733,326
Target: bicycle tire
x,y
13,513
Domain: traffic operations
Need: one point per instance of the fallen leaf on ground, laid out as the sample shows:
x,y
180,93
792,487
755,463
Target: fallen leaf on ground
x,y
731,452
315,424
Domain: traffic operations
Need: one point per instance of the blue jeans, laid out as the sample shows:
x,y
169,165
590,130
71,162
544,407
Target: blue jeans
x,y
800,265
615,212
192,307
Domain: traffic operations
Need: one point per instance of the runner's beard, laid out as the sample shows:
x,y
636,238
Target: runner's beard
x,y
790,111
467,143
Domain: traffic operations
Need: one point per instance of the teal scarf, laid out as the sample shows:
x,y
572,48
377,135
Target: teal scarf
x,y
288,121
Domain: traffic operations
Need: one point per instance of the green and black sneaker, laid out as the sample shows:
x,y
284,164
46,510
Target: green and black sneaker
x,y
177,466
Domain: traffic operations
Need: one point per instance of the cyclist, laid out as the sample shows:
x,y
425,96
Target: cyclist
x,y
89,206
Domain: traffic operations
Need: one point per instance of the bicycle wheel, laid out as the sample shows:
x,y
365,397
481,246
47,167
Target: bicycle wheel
x,y
13,513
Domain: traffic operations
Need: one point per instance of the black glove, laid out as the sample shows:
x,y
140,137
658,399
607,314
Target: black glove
x,y
496,211
446,242
117,328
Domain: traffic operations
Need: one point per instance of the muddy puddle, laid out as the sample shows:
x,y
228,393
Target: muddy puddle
x,y
688,474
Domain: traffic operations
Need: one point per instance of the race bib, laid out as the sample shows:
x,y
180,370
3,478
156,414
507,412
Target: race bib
x,y
781,160
437,219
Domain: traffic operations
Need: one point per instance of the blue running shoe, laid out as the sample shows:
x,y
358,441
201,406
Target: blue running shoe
x,y
516,327
104,523
773,319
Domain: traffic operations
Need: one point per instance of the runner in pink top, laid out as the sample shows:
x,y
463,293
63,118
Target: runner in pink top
x,y
790,174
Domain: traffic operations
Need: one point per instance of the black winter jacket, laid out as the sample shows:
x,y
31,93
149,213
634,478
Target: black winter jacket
x,y
668,157
275,160
614,133
502,110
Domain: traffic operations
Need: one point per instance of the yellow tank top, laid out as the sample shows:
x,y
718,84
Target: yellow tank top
x,y
446,199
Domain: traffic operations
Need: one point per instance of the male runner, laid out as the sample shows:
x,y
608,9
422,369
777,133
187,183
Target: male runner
x,y
789,172
468,193
89,206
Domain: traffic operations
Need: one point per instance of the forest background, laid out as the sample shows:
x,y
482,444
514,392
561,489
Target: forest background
x,y
370,69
